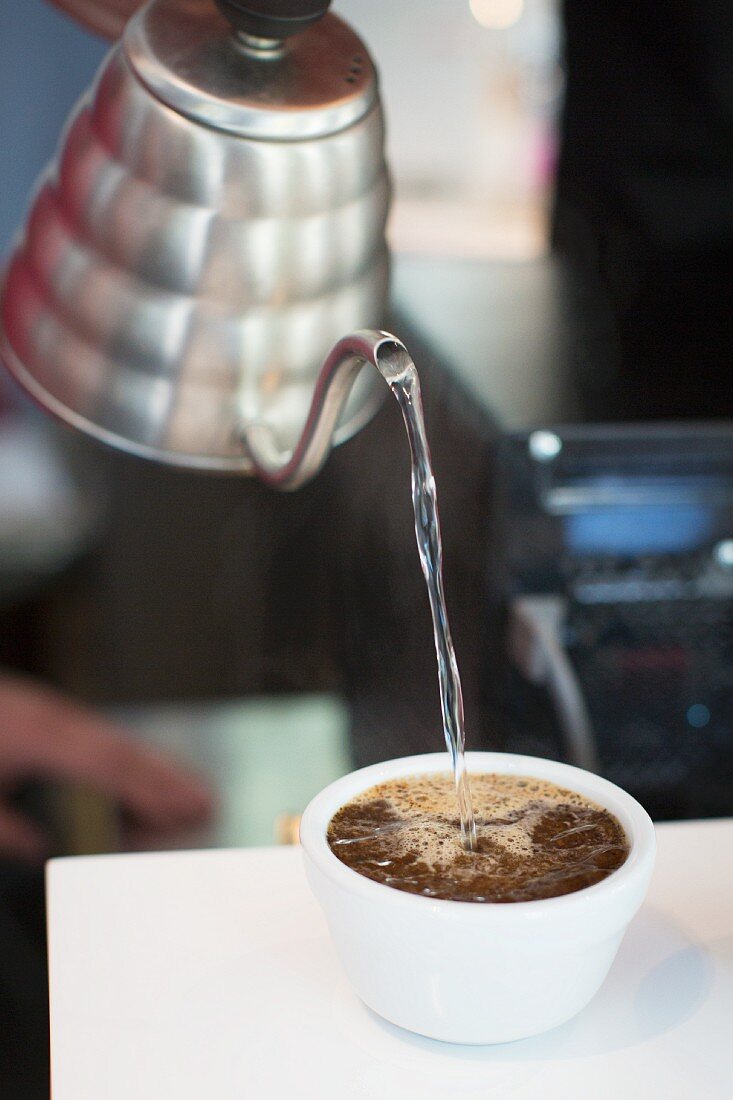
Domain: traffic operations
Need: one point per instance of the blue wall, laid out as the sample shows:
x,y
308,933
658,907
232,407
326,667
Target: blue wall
x,y
46,62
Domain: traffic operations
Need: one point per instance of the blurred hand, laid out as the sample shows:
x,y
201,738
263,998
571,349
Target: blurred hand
x,y
105,17
45,736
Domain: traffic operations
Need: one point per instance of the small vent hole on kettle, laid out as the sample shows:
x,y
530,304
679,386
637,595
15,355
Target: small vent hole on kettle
x,y
355,70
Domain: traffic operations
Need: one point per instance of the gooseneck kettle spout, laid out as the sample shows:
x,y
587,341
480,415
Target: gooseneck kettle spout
x,y
285,469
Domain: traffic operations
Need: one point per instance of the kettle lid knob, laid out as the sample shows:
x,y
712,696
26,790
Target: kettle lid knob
x,y
260,78
273,18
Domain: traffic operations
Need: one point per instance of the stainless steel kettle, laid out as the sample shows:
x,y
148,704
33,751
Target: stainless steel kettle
x,y
213,224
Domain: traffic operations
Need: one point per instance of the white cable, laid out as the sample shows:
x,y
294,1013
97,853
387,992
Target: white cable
x,y
535,645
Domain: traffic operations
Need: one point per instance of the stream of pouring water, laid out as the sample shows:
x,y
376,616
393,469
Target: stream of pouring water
x,y
405,385
291,469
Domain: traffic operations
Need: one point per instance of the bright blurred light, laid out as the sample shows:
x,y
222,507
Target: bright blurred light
x,y
544,445
698,716
497,14
724,553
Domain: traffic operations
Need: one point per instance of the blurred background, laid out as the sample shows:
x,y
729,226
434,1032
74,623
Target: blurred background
x,y
561,233
562,237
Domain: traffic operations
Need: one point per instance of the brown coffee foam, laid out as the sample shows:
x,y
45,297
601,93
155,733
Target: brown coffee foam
x,y
494,796
411,826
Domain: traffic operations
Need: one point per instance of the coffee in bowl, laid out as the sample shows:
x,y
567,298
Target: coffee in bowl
x,y
467,972
534,839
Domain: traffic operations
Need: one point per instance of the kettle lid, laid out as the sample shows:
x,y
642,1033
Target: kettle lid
x,y
210,67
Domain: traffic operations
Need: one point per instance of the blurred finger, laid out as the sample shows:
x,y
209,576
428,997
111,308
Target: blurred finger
x,y
82,747
136,836
107,19
20,838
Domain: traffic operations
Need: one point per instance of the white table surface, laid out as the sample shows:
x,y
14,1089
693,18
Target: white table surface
x,y
211,976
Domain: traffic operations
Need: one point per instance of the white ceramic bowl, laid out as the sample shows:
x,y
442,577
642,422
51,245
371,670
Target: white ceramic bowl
x,y
468,972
